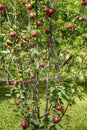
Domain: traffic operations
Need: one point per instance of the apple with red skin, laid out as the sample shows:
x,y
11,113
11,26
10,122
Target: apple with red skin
x,y
29,6
1,6
58,107
41,64
46,10
43,57
34,34
24,125
47,31
25,38
5,12
70,26
12,34
56,119
31,15
6,44
15,83
16,102
31,45
38,23
26,83
84,2
28,107
48,43
32,76
51,11
20,42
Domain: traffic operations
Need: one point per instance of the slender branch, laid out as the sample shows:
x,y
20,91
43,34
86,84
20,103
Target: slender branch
x,y
15,13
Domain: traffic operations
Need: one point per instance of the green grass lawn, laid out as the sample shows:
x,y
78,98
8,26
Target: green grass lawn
x,y
76,115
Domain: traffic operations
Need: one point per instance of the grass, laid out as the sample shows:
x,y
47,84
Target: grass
x,y
76,115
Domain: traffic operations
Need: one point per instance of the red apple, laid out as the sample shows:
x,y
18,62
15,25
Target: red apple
x,y
32,76
25,38
51,11
43,57
20,42
31,45
56,119
46,10
84,2
41,64
12,34
34,34
48,43
16,102
24,125
31,15
15,83
5,12
6,44
1,6
25,83
28,107
58,108
29,6
47,31
38,23
69,26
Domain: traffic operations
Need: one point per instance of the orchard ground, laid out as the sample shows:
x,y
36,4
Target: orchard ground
x,y
76,115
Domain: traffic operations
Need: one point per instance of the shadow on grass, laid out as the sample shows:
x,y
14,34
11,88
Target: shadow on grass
x,y
4,89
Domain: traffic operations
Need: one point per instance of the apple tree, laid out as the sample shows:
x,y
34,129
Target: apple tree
x,y
43,47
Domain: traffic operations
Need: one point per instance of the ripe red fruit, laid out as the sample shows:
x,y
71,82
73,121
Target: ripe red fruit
x,y
38,23
1,6
16,102
12,34
29,6
48,43
28,107
32,76
41,64
15,83
51,11
6,44
25,83
70,25
58,108
24,125
31,15
25,38
31,45
56,119
46,10
84,2
47,31
43,57
34,34
20,42
5,12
